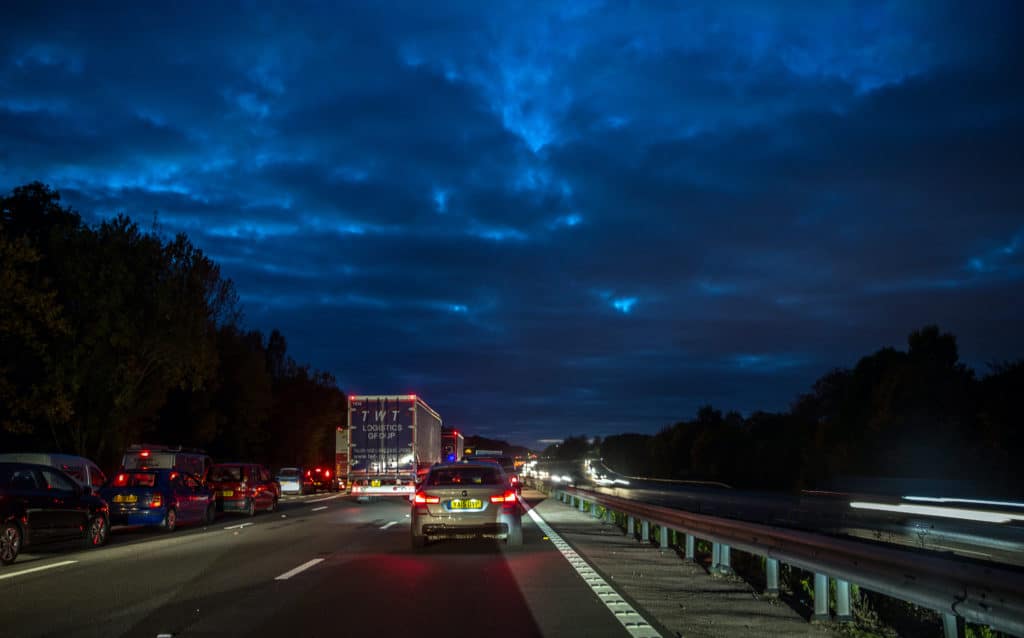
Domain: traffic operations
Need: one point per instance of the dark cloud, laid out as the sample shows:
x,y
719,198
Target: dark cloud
x,y
588,217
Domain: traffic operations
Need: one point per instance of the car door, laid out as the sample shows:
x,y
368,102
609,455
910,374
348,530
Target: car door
x,y
201,498
182,497
67,510
26,488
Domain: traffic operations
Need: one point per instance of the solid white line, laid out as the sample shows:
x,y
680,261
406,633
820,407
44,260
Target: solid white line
x,y
631,620
387,525
317,509
37,569
298,570
239,526
329,498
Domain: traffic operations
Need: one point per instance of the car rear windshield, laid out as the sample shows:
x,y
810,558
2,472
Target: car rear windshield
x,y
134,479
464,476
288,472
226,473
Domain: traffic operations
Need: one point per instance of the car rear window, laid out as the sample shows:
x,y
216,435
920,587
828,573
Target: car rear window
x,y
464,476
135,479
226,473
288,473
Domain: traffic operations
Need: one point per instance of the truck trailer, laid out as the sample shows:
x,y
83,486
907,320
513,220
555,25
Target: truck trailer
x,y
393,440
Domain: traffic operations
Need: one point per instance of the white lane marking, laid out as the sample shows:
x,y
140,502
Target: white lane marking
x,y
631,620
329,498
387,525
298,570
239,526
318,509
37,569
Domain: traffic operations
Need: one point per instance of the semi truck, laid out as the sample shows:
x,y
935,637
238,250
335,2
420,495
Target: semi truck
x,y
452,445
393,440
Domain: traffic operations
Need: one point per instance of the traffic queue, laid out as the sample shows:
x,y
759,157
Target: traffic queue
x,y
48,498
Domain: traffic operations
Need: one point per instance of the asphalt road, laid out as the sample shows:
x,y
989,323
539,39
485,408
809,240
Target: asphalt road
x,y
324,568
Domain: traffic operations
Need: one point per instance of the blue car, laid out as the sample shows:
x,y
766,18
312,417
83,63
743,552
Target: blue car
x,y
160,498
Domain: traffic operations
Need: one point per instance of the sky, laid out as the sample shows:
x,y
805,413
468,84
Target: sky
x,y
555,218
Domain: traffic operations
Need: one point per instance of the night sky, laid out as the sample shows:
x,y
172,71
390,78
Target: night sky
x,y
556,218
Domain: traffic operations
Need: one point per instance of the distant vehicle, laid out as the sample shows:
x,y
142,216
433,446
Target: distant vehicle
x,y
452,446
460,499
319,478
243,487
83,471
143,456
507,465
290,480
41,504
162,498
393,441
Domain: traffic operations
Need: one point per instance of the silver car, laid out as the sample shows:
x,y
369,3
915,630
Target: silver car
x,y
461,500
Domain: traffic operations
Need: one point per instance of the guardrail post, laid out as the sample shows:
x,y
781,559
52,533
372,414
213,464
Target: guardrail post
x,y
716,556
645,531
725,562
593,511
664,537
820,597
582,505
772,576
843,601
609,517
690,546
951,626
631,527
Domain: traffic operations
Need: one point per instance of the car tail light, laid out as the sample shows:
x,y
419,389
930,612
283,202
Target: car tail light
x,y
121,480
514,479
308,473
327,474
507,497
156,501
144,454
423,499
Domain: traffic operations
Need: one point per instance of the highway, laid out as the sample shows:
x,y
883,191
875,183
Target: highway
x,y
999,543
322,566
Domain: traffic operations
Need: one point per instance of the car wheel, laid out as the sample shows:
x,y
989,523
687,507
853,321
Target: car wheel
x,y
170,520
515,537
10,542
97,531
211,514
250,507
273,505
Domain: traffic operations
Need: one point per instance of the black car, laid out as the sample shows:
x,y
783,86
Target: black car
x,y
41,504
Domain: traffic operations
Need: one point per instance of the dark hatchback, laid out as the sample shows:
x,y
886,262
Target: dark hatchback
x,y
41,504
161,498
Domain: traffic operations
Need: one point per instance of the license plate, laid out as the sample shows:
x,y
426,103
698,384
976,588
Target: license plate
x,y
375,483
465,504
227,493
126,498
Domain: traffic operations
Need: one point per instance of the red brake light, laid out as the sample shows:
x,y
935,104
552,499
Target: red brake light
x,y
423,499
157,501
515,479
144,454
121,480
507,497
308,473
327,474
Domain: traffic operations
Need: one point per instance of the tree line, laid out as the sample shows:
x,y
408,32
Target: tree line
x,y
112,335
906,416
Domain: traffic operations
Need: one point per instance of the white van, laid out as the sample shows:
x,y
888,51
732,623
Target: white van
x,y
82,470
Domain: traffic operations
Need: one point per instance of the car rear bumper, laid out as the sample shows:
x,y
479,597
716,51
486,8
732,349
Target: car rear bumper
x,y
232,504
138,517
442,530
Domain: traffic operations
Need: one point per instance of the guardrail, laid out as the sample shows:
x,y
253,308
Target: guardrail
x,y
957,589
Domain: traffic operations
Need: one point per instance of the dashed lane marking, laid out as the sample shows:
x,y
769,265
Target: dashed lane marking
x,y
239,526
329,498
387,525
630,618
36,569
298,570
318,509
